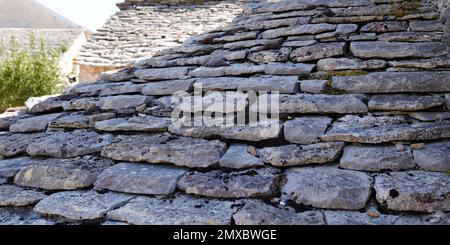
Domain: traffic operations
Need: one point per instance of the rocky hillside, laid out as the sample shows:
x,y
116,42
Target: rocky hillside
x,y
364,138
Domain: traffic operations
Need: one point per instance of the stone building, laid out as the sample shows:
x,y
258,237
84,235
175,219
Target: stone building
x,y
362,137
142,28
23,19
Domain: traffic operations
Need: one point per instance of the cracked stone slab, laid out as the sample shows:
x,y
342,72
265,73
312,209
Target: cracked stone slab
x,y
377,158
232,70
334,64
306,130
138,123
256,212
374,130
302,5
414,191
121,89
45,103
394,82
385,26
156,74
266,56
392,50
15,144
213,102
404,102
10,167
430,116
260,43
423,63
263,130
218,184
238,157
168,87
319,103
62,174
411,37
138,178
281,84
15,196
434,156
166,148
80,120
118,102
317,52
180,210
298,30
81,205
359,218
328,187
11,116
69,144
297,155
287,69
314,86
33,124
21,216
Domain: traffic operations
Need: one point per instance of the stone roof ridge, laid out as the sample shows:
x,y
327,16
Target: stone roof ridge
x,y
359,134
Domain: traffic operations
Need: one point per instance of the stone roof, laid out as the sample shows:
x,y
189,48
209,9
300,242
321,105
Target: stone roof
x,y
363,133
31,14
144,27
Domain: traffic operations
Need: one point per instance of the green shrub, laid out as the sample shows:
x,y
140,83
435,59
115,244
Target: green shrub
x,y
28,72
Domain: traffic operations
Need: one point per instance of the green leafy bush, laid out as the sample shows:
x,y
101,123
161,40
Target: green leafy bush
x,y
28,72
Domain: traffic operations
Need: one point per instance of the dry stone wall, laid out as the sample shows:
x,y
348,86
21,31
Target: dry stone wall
x,y
363,136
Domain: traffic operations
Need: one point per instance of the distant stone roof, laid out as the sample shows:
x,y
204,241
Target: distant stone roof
x,y
54,38
363,135
31,14
143,28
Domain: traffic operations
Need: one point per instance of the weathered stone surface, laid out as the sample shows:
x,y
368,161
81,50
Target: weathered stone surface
x,y
414,191
305,130
328,187
140,178
320,103
138,123
298,30
447,98
385,26
341,31
358,218
167,87
377,158
121,89
411,37
431,25
15,144
238,157
80,120
267,56
165,148
332,64
281,84
302,5
430,116
21,216
17,197
404,102
81,205
232,70
108,103
392,50
289,69
299,43
213,102
181,210
117,75
69,144
9,167
2,180
434,156
162,73
247,183
263,130
11,116
62,174
374,130
314,86
394,82
295,155
44,104
256,212
317,51
33,124
424,63
263,43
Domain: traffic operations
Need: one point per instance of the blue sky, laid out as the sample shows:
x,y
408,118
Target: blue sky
x,y
90,14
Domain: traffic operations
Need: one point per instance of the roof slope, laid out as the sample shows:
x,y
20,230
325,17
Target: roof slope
x,y
31,14
364,125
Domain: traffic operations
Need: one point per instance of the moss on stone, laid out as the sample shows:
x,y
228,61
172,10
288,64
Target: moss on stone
x,y
401,9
